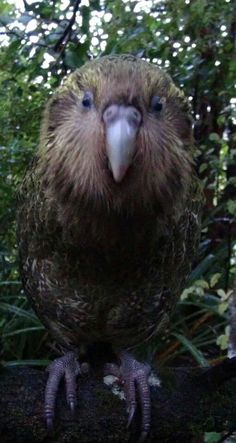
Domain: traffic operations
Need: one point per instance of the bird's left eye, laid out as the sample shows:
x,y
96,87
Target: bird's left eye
x,y
87,100
156,103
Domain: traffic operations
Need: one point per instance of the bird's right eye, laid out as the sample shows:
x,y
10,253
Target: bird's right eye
x,y
156,103
87,100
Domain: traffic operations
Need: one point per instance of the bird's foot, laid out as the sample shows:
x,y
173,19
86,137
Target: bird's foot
x,y
67,367
134,377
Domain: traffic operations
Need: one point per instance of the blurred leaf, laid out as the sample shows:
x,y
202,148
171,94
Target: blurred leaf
x,y
5,19
23,331
221,293
214,137
25,18
222,341
18,311
214,279
17,363
212,437
231,206
200,359
202,284
201,268
222,307
75,56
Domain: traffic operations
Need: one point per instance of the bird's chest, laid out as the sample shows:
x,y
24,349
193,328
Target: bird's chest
x,y
113,292
107,287
121,312
109,252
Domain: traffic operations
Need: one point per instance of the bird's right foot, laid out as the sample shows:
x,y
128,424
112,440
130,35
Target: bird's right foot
x,y
134,376
67,367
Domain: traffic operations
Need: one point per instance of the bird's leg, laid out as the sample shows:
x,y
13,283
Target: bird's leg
x,y
68,367
134,376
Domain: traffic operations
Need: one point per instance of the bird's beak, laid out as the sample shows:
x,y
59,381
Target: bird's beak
x,y
121,127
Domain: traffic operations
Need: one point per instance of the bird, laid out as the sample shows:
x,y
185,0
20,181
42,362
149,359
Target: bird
x,y
109,219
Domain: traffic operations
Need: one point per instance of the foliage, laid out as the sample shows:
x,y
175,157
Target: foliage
x,y
212,437
194,41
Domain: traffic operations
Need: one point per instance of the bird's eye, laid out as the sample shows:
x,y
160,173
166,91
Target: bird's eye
x,y
156,104
87,100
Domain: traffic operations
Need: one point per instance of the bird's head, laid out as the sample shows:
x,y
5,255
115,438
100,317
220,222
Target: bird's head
x,y
119,132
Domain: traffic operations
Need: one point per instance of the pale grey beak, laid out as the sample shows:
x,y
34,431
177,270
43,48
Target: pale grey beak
x,y
121,126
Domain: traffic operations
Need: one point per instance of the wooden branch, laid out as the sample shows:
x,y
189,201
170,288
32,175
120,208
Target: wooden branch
x,y
188,402
63,40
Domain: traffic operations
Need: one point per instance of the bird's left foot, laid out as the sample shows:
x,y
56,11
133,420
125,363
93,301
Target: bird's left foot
x,y
67,367
134,376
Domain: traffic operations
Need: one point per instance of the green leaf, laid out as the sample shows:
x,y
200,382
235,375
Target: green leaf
x,y
214,137
201,268
11,282
5,20
212,437
75,56
221,293
223,307
17,363
214,279
5,7
186,292
19,312
231,206
202,284
203,167
23,331
45,10
196,353
25,18
222,341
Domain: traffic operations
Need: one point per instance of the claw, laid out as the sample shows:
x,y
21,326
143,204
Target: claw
x,y
68,367
135,380
72,405
135,375
143,437
131,415
49,423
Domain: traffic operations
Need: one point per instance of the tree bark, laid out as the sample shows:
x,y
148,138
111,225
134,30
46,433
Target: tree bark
x,y
189,402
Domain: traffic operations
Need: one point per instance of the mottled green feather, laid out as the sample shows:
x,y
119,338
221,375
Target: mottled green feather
x,y
101,261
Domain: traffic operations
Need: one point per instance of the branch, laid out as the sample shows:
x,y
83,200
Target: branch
x,y
188,402
61,43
